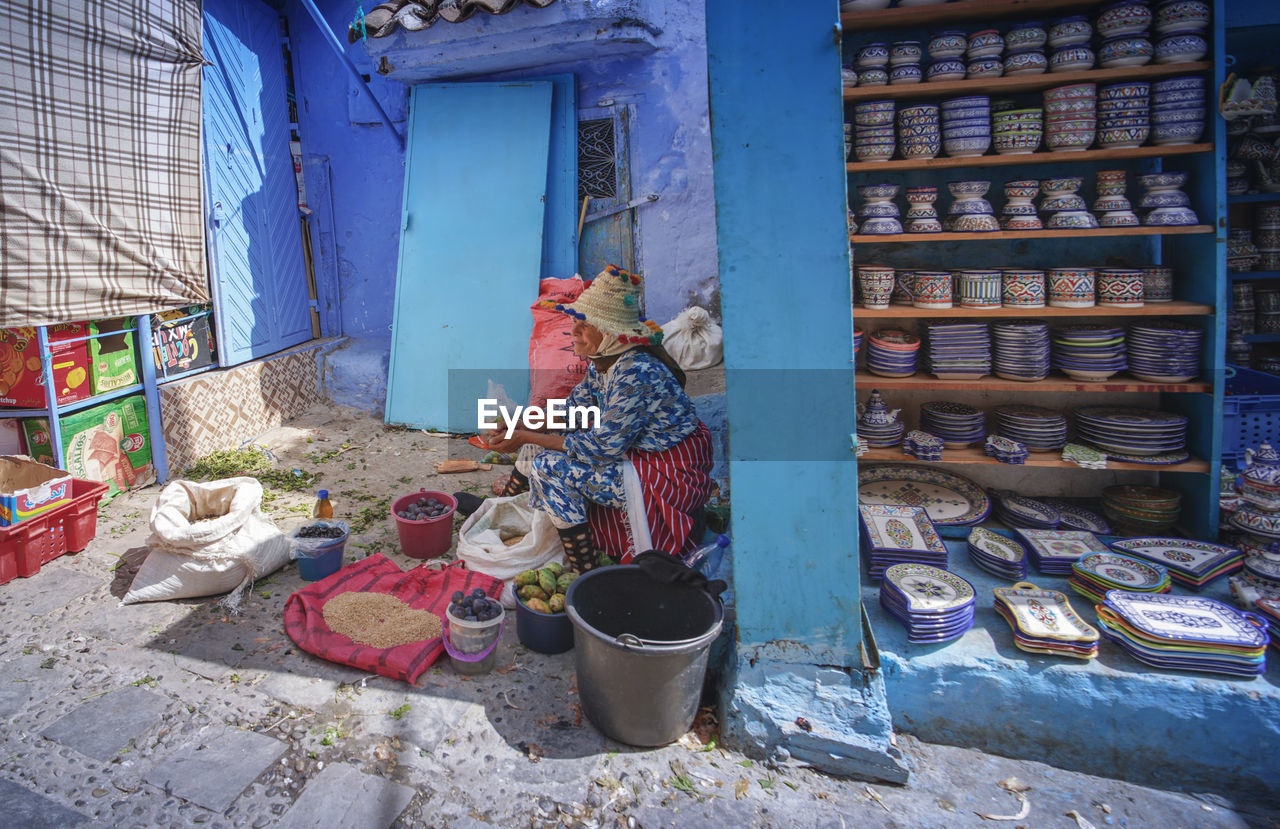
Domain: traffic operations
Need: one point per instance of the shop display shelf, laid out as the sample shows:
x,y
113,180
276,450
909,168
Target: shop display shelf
x,y
1053,383
914,238
1154,309
961,12
1025,158
1253,198
1022,83
1255,275
974,456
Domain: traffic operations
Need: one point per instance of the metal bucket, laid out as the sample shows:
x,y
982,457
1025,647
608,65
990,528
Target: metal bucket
x,y
640,651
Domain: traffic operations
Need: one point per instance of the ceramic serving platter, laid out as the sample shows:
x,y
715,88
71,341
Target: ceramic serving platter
x,y
1183,554
1075,517
1186,618
1062,545
1044,614
1115,569
997,546
900,528
949,498
928,589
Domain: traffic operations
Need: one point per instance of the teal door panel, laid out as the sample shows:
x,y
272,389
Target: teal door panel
x,y
560,234
470,248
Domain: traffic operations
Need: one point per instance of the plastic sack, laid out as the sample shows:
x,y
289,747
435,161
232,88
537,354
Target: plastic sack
x,y
483,536
208,538
312,547
553,367
693,339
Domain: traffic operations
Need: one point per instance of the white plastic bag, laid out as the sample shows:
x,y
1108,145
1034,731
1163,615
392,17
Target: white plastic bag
x,y
693,339
208,538
483,536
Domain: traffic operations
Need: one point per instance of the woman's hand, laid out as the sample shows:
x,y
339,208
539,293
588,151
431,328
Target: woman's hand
x,y
499,443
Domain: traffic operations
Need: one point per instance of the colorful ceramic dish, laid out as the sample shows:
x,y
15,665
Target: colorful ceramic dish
x,y
951,499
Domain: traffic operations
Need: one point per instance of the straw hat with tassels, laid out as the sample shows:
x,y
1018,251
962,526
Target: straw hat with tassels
x,y
611,302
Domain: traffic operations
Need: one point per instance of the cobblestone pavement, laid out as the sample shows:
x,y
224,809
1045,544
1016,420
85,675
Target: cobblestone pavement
x,y
180,714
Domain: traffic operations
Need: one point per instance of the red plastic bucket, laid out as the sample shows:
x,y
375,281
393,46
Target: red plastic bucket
x,y
429,537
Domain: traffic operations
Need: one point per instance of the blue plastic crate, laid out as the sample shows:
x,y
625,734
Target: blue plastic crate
x,y
1250,414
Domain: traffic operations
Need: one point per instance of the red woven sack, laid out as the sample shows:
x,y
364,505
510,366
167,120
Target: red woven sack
x,y
420,588
554,369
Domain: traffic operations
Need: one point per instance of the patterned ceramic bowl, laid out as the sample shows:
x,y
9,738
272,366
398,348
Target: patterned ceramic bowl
x,y
880,210
922,195
1069,141
1061,186
1025,63
905,51
946,70
1021,223
1181,84
874,152
1134,89
1157,283
922,149
1266,216
970,206
1167,135
1024,36
1171,217
873,55
1115,138
1181,48
880,227
1019,209
985,68
906,73
1075,90
950,133
967,102
1027,188
966,147
1163,181
987,43
1181,16
873,77
1017,144
878,192
981,223
948,45
1071,59
1070,31
1118,218
1058,204
1169,116
968,188
1029,115
1110,204
922,111
1069,106
1129,17
1125,51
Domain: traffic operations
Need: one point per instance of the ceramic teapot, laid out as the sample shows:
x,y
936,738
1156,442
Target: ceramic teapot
x,y
1260,480
875,412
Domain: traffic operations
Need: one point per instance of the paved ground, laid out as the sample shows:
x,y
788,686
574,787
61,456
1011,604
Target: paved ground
x,y
177,713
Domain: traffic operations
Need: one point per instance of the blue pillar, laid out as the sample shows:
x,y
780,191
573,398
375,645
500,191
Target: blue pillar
x,y
777,135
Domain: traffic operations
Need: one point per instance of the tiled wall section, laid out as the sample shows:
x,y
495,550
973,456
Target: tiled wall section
x,y
223,409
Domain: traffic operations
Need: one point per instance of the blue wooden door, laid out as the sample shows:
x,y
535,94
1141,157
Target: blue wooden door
x,y
470,248
259,279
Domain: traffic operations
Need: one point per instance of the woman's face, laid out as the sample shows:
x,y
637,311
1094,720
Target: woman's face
x,y
586,339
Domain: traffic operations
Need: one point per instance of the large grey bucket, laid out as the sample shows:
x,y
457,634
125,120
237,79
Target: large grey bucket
x,y
640,650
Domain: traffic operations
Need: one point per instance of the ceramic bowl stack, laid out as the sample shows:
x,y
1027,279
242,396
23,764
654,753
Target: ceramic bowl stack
x,y
957,425
1044,621
874,136
958,350
1266,232
970,212
879,211
1180,26
1024,49
892,353
1177,110
904,62
1186,633
1123,28
1157,283
933,605
1039,429
922,216
1063,206
1131,431
947,50
1000,555
1054,551
919,131
1069,38
1020,349
1070,117
1124,115
873,64
966,126
1112,206
1089,352
1163,351
1019,213
983,52
1017,131
1141,510
1093,575
857,341
1190,563
899,534
1164,202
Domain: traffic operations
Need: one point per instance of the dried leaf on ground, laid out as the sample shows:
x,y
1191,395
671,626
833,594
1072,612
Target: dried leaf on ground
x,y
1013,784
741,787
1023,812
1081,822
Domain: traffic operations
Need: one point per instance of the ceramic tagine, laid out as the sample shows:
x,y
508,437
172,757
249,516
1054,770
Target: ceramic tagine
x,y
878,425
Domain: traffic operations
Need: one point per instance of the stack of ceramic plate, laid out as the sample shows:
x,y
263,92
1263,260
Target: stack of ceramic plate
x,y
1190,633
1190,563
1076,517
892,353
1044,621
1039,429
1131,431
1020,350
999,555
1141,510
895,534
1163,351
1093,575
956,424
1088,352
959,350
1054,551
934,605
1017,511
1269,609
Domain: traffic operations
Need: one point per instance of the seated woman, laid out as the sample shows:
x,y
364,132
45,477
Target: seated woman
x,y
646,419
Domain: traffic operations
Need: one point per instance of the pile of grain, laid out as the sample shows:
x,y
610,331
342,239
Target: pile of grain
x,y
379,620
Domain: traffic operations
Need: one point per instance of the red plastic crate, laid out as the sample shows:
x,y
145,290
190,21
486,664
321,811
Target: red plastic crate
x,y
29,545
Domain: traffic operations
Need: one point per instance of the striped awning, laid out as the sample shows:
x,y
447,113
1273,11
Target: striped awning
x,y
415,15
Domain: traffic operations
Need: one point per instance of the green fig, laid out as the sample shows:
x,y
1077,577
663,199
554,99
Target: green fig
x,y
556,603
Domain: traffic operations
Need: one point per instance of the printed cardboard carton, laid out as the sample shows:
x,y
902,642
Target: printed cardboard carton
x,y
22,377
28,488
181,342
114,357
110,443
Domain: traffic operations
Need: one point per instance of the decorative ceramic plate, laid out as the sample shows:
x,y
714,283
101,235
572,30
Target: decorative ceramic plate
x,y
1028,510
1045,614
950,499
1182,554
929,589
1186,618
1075,517
1062,544
896,527
1117,569
1161,459
998,546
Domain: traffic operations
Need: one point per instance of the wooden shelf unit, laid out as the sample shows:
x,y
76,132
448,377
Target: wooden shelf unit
x,y
915,238
1011,160
1254,198
1054,383
1153,309
957,12
974,456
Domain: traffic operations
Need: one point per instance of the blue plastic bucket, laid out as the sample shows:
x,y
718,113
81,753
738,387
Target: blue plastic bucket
x,y
319,558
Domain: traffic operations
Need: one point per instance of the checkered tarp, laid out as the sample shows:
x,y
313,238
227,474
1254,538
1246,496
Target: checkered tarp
x,y
100,210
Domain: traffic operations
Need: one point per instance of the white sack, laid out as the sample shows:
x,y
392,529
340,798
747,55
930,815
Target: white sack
x,y
693,339
208,538
481,547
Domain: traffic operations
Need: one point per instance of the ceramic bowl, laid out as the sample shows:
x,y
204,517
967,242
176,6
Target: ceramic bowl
x,y
1182,84
1171,217
905,52
1107,204
1122,137
1119,218
964,117
873,114
946,70
1071,220
966,147
1125,51
1267,239
959,133
1057,204
921,111
1181,48
922,149
1071,59
1025,63
880,227
906,73
1129,17
880,210
1181,16
1031,222
987,43
1164,198
970,207
1069,141
873,77
923,194
872,55
1123,121
879,191
874,152
1163,181
1165,115
1027,188
1178,97
924,132
968,188
948,45
984,68
1024,36
1069,31
1020,116
1019,209
1075,90
1175,134
1017,144
983,223
1066,106
925,226
1134,89
968,101
1061,186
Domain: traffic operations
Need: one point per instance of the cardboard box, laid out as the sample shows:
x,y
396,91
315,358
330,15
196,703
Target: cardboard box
x,y
110,443
114,358
179,345
28,488
22,376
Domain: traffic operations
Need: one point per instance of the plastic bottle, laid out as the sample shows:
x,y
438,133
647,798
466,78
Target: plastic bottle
x,y
706,558
323,507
